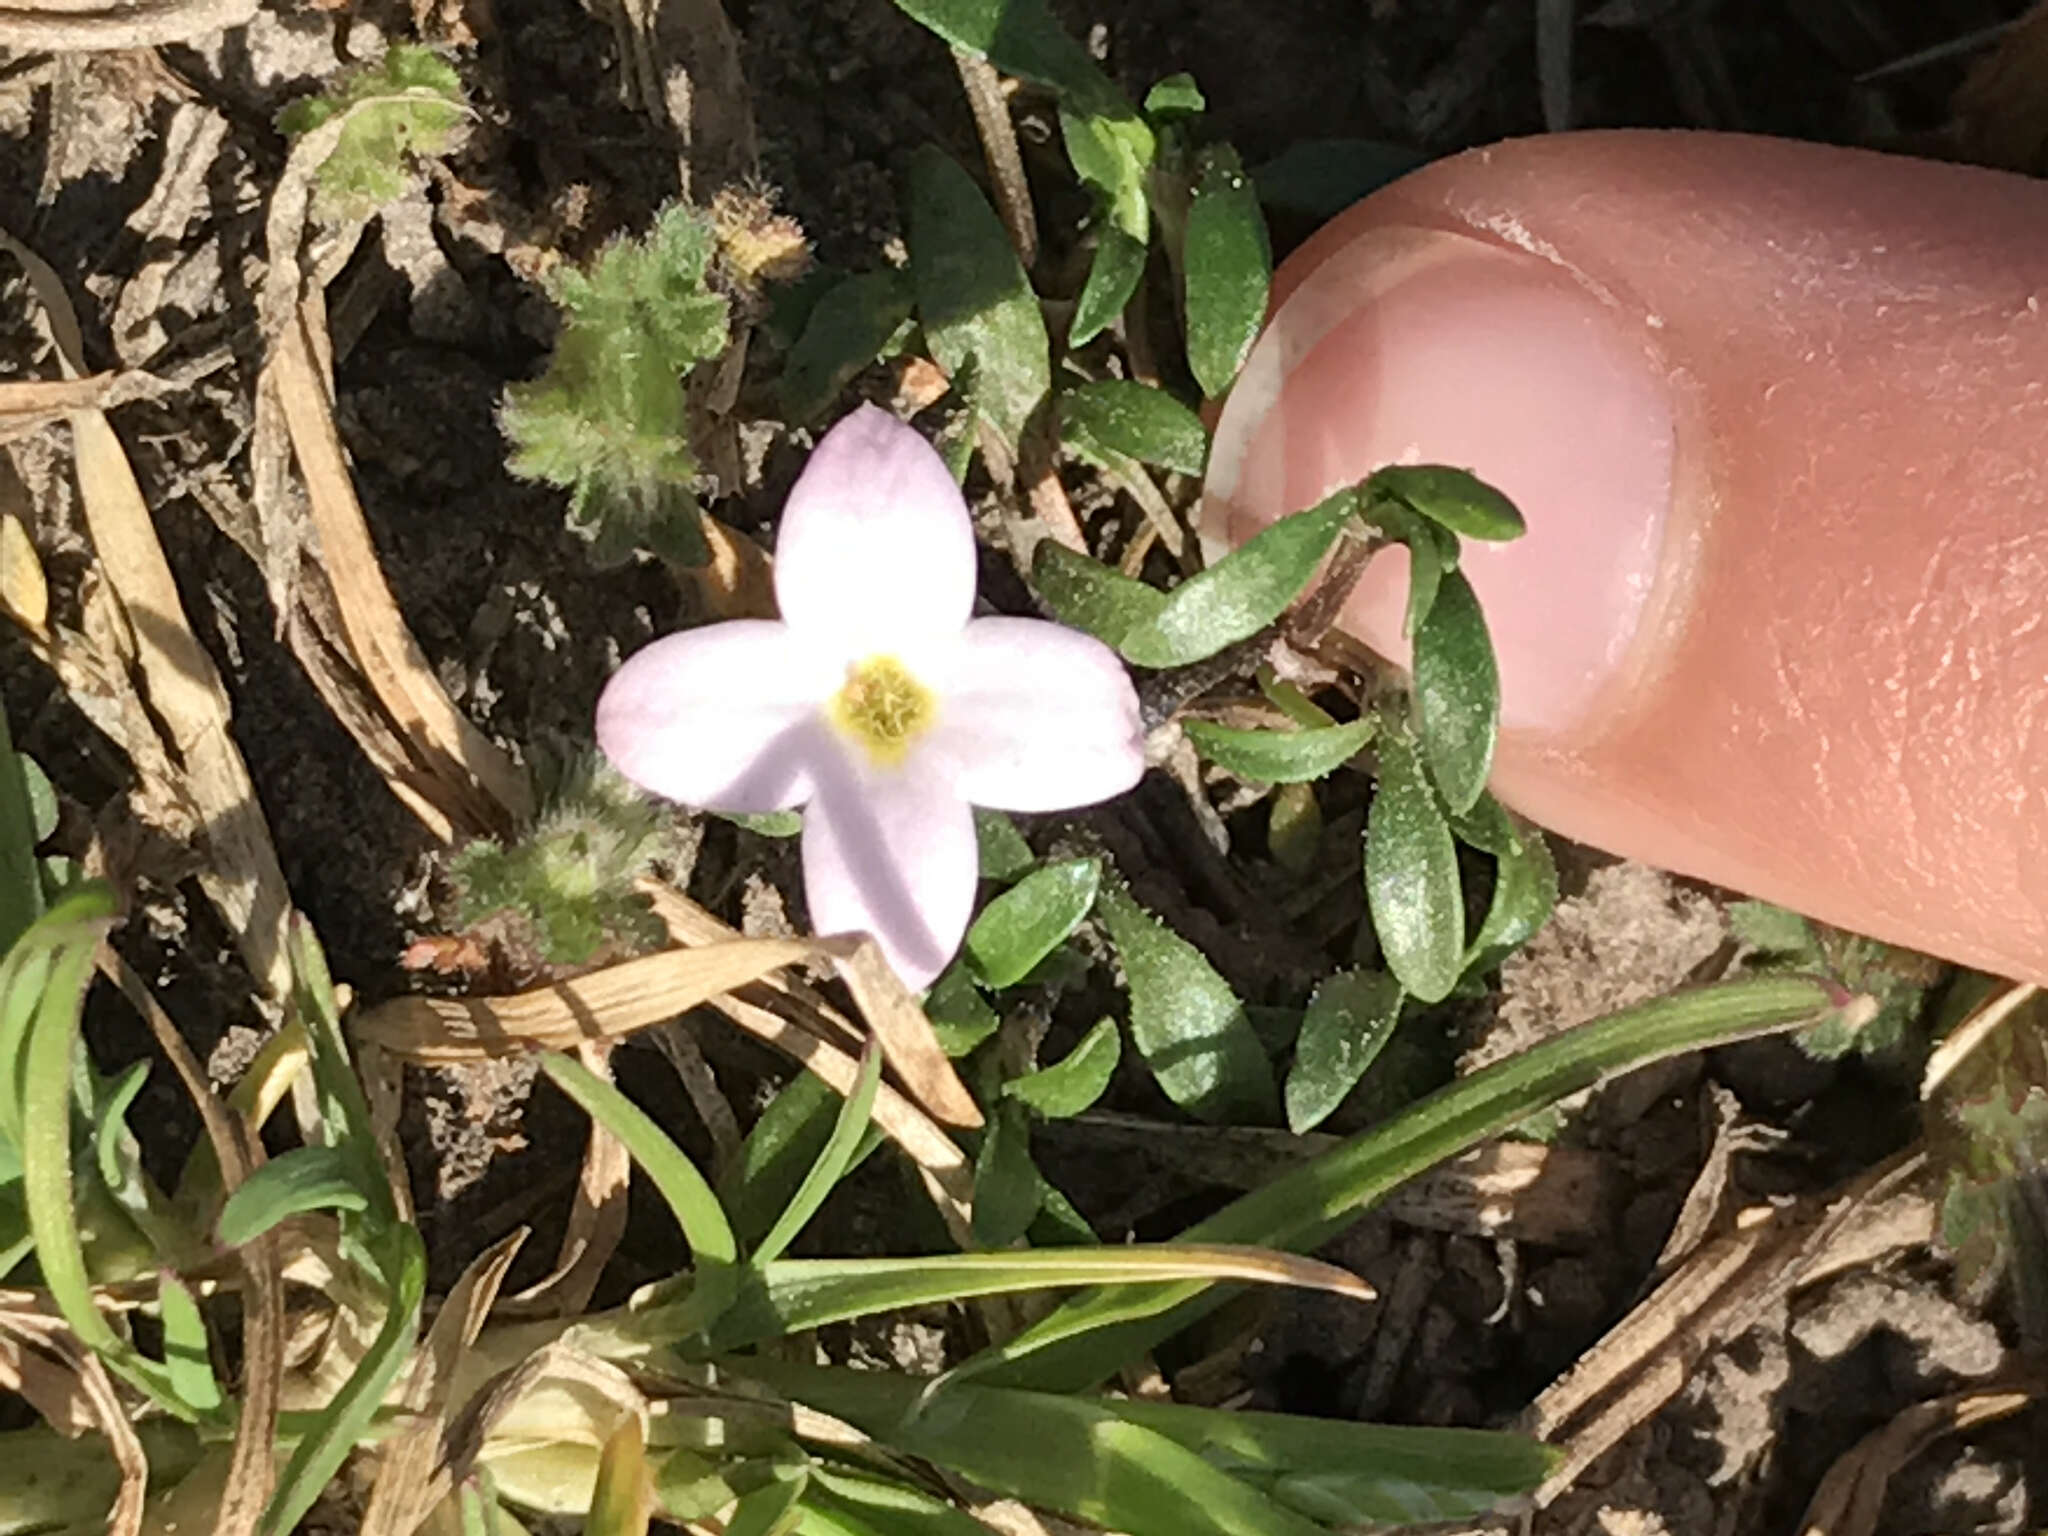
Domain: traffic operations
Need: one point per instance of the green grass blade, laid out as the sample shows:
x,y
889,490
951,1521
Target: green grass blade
x,y
21,885
348,1414
798,1294
833,1159
1092,1335
186,1355
713,1249
72,929
290,1184
1081,1458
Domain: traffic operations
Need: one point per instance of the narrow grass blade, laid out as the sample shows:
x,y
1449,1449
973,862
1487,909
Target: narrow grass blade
x,y
1092,1335
834,1158
798,1294
290,1184
347,1416
186,1355
713,1249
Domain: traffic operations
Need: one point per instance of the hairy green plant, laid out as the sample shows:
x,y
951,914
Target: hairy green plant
x,y
409,103
570,877
608,420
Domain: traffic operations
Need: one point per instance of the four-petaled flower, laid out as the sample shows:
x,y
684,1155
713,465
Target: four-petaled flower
x,y
877,701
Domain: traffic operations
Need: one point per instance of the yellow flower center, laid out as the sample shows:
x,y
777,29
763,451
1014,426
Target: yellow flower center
x,y
883,708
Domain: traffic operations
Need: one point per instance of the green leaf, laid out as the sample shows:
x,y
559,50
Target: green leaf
x,y
110,1127
1411,878
407,103
1092,1335
346,1418
1279,757
1112,153
770,1510
1075,1082
836,1156
1524,883
850,326
1022,38
1349,1019
345,1122
620,1498
1357,1474
1770,930
47,1059
841,1504
1322,177
778,1153
999,847
765,823
290,1184
689,1487
1186,1022
714,1252
1084,1459
42,798
1294,828
978,310
1229,268
1457,693
961,1017
1119,416
187,1358
1114,272
1006,1182
1455,498
1092,597
1030,920
1176,96
1243,592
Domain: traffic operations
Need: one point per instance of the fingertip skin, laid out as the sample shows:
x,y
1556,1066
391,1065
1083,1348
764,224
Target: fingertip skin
x,y
1835,693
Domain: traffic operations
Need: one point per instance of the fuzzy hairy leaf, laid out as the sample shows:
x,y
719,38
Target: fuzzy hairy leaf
x,y
607,420
410,104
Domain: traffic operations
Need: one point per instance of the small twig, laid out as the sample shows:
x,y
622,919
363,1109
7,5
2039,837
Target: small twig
x,y
1971,1033
999,148
1308,624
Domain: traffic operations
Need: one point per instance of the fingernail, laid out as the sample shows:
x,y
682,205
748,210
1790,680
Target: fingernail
x,y
1421,346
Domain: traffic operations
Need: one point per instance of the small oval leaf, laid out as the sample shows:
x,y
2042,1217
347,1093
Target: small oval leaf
x,y
1229,268
1456,498
1006,1182
847,329
1243,592
290,1184
978,310
961,1017
1457,693
1123,416
1090,596
1000,848
1030,920
1074,1083
1411,878
1279,757
1114,273
1186,1022
1524,883
1350,1018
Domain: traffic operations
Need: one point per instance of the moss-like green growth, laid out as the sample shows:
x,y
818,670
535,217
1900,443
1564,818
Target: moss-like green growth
x,y
410,104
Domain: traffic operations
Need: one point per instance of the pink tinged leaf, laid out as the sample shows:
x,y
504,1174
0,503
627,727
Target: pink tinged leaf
x,y
1036,717
726,717
875,552
891,853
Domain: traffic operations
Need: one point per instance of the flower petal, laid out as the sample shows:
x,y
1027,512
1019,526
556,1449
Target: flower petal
x,y
725,717
875,550
891,854
1036,717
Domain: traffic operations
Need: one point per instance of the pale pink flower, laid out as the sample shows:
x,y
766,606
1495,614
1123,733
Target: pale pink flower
x,y
877,701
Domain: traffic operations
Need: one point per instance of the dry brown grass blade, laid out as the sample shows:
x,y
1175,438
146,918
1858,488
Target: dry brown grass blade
x,y
29,405
1714,1297
602,1005
452,775
1850,1499
241,876
404,1491
237,1148
92,26
64,1382
787,1015
899,1022
597,1219
24,589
